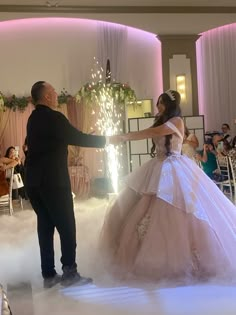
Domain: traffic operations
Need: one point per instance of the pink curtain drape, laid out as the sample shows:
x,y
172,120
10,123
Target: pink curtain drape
x,y
14,132
84,163
82,116
73,116
73,112
4,119
87,115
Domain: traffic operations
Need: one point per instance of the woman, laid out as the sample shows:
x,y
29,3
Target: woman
x,y
11,154
207,158
190,144
171,222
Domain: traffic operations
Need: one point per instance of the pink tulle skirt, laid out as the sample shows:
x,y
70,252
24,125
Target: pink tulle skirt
x,y
171,222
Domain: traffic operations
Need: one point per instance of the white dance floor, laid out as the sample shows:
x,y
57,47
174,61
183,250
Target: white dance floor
x,y
20,273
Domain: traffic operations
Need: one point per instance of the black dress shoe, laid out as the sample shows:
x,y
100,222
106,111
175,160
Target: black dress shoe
x,y
50,282
75,278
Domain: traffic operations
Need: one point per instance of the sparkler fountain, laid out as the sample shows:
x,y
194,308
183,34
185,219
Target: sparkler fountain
x,y
111,98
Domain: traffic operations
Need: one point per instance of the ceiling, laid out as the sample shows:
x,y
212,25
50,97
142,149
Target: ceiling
x,y
156,16
222,3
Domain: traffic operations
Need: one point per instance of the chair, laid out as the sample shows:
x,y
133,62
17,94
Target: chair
x,y
17,195
224,180
4,304
232,163
198,163
6,200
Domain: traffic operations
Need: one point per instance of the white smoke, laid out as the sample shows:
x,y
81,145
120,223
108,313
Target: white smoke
x,y
19,249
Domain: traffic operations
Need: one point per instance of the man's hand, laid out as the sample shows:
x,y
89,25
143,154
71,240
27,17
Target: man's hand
x,y
116,139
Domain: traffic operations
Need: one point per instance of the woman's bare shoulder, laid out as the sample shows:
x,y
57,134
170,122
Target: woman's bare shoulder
x,y
177,121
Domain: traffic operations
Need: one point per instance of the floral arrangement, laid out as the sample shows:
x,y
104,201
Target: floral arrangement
x,y
20,103
94,92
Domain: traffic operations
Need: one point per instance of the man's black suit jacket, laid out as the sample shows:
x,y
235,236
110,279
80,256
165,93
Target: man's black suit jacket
x,y
48,135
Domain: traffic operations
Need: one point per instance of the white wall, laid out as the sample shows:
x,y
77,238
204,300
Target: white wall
x,y
61,51
144,64
58,51
180,65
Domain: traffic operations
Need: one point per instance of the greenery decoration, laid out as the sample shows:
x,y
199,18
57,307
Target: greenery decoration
x,y
119,92
16,103
20,103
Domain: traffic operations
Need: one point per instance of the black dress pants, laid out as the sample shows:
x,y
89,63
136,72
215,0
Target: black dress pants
x,y
54,209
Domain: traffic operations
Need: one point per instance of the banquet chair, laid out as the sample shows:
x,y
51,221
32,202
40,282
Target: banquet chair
x,y
232,163
16,197
6,200
224,182
198,163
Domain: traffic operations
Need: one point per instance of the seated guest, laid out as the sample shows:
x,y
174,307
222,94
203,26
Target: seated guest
x,y
217,138
223,148
190,144
226,133
207,157
224,136
19,168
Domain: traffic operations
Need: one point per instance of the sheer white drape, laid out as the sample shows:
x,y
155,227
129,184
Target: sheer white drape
x,y
135,58
216,56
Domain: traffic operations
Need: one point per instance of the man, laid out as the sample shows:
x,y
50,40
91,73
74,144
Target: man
x,y
48,184
226,133
224,138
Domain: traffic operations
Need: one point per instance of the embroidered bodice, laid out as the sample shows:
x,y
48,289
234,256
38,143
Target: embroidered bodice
x,y
175,142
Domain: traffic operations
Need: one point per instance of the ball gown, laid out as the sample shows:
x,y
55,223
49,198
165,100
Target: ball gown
x,y
170,222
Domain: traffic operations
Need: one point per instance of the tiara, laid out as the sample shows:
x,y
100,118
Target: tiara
x,y
170,94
